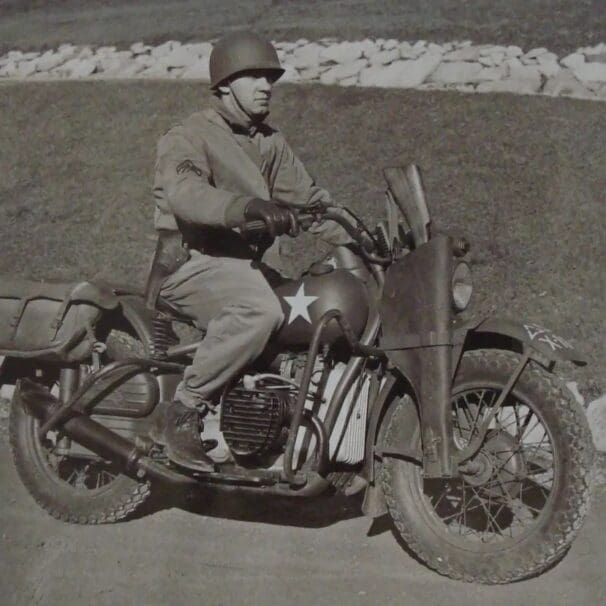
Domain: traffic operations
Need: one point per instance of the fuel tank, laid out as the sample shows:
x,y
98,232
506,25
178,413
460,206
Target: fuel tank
x,y
306,300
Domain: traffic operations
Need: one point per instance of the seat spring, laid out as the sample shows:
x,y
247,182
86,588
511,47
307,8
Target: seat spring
x,y
163,337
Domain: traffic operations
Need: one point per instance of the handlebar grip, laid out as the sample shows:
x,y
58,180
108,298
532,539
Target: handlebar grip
x,y
253,226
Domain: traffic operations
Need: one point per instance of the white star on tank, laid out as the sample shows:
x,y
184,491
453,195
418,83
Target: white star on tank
x,y
299,305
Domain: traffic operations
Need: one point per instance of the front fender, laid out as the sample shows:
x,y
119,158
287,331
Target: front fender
x,y
530,335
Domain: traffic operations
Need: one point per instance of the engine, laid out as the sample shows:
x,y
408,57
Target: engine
x,y
254,421
257,411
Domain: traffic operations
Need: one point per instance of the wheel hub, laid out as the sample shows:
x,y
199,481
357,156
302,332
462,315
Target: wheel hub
x,y
497,467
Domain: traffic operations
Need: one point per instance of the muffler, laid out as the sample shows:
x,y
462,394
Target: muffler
x,y
37,401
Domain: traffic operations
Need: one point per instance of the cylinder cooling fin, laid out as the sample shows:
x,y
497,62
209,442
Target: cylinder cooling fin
x,y
253,421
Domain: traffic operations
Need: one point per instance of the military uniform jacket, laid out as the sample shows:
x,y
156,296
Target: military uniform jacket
x,y
209,167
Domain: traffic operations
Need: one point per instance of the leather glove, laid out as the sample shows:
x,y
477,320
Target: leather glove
x,y
278,219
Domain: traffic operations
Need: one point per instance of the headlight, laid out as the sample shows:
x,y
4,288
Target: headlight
x,y
462,286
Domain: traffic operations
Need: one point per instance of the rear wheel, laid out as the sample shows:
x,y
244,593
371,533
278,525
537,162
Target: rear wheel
x,y
74,485
521,499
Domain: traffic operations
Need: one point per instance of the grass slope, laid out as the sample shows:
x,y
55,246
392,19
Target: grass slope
x,y
560,25
523,178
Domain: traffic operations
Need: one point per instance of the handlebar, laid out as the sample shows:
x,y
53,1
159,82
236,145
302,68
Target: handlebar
x,y
358,232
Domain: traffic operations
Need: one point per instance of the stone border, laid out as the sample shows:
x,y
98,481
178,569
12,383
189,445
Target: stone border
x,y
460,66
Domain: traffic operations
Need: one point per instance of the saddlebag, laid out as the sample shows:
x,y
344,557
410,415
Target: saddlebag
x,y
50,320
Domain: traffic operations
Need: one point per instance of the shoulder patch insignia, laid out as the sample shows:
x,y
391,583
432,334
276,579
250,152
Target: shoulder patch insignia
x,y
188,166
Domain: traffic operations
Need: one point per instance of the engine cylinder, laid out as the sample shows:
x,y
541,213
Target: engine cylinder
x,y
252,420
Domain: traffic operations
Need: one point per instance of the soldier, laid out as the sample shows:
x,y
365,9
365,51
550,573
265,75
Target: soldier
x,y
216,170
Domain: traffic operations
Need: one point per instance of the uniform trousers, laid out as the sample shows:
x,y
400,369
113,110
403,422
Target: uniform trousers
x,y
231,299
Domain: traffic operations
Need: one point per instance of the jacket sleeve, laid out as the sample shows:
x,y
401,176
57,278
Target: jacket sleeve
x,y
184,175
293,185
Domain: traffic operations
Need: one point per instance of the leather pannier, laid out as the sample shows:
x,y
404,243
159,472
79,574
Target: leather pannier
x,y
50,320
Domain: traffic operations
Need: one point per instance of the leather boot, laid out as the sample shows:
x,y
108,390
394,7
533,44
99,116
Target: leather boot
x,y
182,435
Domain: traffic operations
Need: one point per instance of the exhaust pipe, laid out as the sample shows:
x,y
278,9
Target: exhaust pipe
x,y
38,402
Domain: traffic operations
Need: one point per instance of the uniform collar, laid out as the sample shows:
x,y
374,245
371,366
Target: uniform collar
x,y
238,124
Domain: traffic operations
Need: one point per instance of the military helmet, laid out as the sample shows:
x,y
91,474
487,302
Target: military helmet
x,y
239,52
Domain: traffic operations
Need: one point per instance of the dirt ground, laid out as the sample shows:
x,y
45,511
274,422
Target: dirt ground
x,y
560,25
219,549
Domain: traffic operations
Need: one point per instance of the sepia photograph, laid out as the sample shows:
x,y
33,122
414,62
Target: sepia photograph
x,y
302,302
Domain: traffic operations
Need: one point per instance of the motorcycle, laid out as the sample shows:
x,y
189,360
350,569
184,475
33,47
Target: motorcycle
x,y
459,430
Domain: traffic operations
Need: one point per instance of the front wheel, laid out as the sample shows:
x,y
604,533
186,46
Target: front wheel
x,y
521,499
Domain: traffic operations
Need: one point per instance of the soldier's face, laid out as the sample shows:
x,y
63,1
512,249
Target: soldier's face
x,y
252,90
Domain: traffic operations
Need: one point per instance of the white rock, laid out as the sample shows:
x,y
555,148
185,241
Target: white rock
x,y
513,51
164,49
24,69
565,84
109,64
199,49
590,72
574,60
497,72
15,55
420,44
76,68
408,52
128,69
105,50
290,74
469,53
310,73
593,50
436,49
596,416
145,60
49,60
8,69
155,71
535,53
526,72
139,48
341,53
390,44
459,72
343,71
284,46
491,49
197,71
85,52
368,47
306,56
385,57
180,56
400,74
547,58
519,87
548,65
66,47
351,81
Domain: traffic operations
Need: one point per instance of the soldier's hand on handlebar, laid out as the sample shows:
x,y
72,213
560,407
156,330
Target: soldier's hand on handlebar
x,y
278,219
